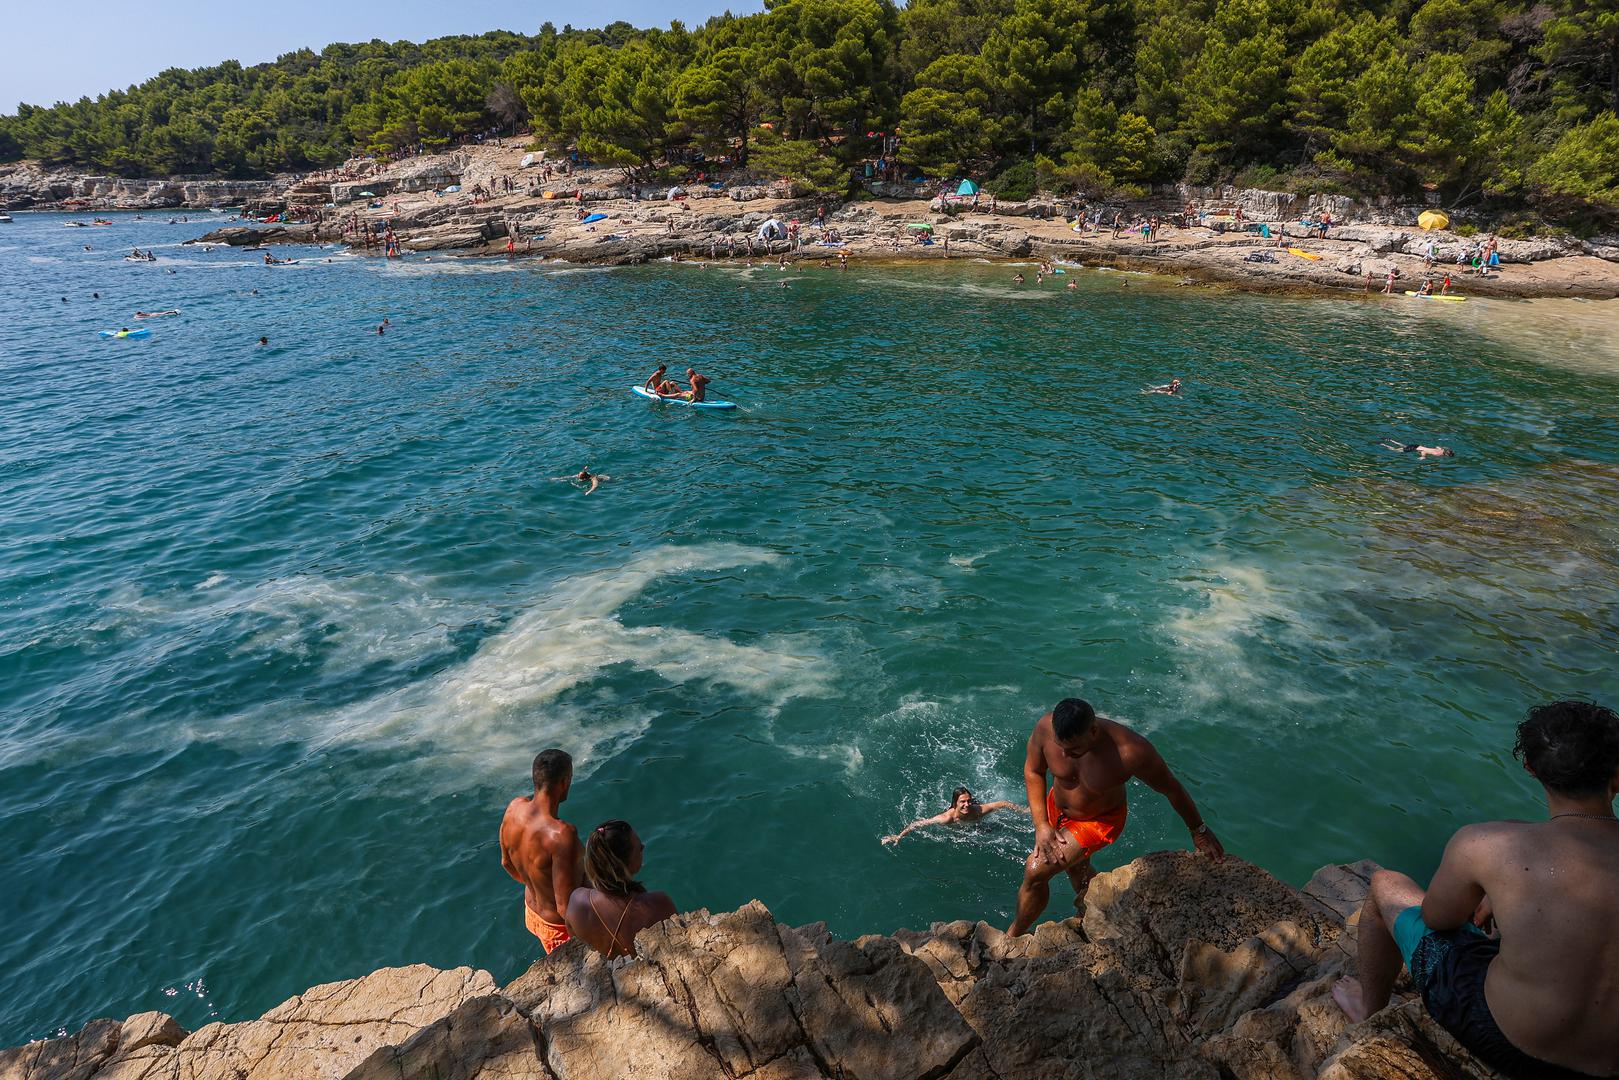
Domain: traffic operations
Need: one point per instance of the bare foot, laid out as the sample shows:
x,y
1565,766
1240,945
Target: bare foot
x,y
1346,992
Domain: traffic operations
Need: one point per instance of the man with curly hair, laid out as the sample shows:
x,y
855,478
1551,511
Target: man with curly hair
x,y
1539,997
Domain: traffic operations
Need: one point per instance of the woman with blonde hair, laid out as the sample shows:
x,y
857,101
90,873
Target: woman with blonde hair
x,y
614,907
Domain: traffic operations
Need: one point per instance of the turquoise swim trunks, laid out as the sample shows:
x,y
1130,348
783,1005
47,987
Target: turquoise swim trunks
x,y
1411,934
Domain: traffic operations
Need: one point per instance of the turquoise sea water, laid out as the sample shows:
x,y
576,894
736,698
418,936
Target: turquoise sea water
x,y
281,628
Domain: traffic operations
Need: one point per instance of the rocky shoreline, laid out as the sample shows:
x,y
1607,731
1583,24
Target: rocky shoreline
x,y
1179,967
27,186
539,218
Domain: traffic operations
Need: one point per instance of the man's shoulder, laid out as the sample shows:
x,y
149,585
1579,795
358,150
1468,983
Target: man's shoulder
x,y
1485,838
1133,746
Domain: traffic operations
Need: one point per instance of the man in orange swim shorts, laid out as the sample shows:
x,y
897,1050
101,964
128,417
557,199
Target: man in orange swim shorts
x,y
1089,759
541,850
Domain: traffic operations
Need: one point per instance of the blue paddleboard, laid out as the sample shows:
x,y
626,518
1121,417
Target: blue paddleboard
x,y
650,396
140,331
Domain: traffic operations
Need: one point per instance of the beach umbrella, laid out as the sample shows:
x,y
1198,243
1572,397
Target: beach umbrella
x,y
368,194
1432,219
967,187
920,227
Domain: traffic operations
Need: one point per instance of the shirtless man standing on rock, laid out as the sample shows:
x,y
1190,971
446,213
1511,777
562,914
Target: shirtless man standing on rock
x,y
1538,999
541,850
1089,759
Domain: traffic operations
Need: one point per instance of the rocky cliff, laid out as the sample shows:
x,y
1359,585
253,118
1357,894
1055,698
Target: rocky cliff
x,y
1178,968
27,186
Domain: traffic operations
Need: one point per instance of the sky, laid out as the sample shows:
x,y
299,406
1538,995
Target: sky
x,y
50,54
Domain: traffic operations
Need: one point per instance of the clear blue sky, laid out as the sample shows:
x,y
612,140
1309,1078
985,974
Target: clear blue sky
x,y
50,53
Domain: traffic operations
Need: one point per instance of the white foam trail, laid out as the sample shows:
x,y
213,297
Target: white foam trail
x,y
1238,608
503,698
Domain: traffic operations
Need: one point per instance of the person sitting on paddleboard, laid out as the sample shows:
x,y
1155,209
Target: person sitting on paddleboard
x,y
1413,448
655,380
1173,386
699,386
1427,288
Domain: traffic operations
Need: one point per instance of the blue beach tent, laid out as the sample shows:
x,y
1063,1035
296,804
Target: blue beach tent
x,y
967,187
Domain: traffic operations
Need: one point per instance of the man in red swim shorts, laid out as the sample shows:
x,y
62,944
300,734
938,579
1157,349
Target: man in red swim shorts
x,y
1089,759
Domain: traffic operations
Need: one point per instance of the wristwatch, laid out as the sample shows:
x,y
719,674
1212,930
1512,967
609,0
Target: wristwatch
x,y
1202,829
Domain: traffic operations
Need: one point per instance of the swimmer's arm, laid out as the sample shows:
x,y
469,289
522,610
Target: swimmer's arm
x,y
595,482
1004,805
920,823
1455,893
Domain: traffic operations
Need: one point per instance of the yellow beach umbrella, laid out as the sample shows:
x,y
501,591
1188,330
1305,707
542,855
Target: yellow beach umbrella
x,y
1432,219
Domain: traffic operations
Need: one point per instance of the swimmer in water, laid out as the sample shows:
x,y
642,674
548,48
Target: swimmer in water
x,y
1173,386
1018,277
1413,448
963,808
585,476
264,341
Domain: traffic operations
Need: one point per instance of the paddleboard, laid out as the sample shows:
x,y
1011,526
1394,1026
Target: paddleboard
x,y
140,331
644,392
1301,253
1436,296
592,217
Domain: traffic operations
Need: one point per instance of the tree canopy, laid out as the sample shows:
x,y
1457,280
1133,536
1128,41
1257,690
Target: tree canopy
x,y
1505,100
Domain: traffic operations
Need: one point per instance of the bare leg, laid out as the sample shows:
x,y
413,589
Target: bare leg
x,y
1079,875
1035,892
1391,893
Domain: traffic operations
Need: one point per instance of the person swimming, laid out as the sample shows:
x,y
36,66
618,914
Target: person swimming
x,y
585,476
1413,448
963,808
1173,386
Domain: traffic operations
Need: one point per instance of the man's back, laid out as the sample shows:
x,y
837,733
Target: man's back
x,y
530,839
1554,988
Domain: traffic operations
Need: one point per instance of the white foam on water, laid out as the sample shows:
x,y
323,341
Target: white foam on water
x,y
1237,609
504,698
353,620
968,563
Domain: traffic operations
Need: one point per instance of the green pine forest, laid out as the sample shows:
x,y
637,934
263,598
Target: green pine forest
x,y
1506,105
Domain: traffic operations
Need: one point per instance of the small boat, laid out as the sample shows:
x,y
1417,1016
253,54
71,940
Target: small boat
x,y
101,221
5,218
76,224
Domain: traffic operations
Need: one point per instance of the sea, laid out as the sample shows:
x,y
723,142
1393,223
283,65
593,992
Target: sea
x,y
282,626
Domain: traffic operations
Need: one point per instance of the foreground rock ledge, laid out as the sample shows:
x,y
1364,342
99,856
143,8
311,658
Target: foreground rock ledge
x,y
1179,968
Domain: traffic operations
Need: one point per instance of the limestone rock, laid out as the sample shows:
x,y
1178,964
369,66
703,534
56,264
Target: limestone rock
x,y
320,1034
1180,967
485,1038
247,236
74,1057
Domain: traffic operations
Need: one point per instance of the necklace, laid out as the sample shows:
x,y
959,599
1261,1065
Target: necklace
x,y
1597,817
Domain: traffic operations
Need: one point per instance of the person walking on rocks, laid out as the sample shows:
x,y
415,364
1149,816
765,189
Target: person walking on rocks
x,y
541,851
1090,759
1539,997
